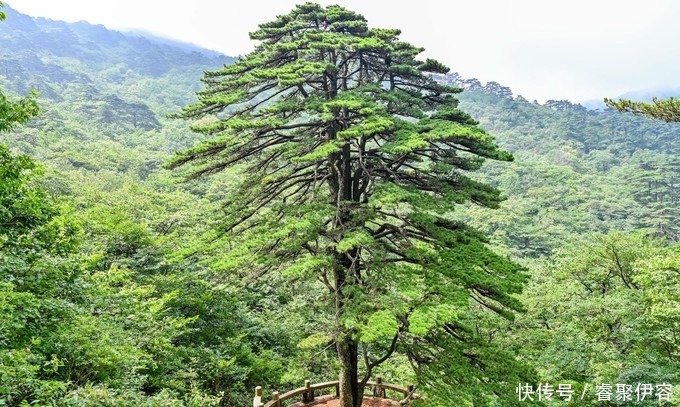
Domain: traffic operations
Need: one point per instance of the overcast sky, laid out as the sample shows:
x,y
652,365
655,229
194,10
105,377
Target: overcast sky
x,y
577,50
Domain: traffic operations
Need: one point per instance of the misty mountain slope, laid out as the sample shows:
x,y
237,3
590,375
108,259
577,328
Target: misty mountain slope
x,y
51,56
96,85
98,47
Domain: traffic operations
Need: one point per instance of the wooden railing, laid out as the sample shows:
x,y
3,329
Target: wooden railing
x,y
309,392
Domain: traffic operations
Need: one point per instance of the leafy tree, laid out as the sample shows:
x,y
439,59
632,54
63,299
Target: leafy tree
x,y
13,112
352,159
604,309
665,109
32,240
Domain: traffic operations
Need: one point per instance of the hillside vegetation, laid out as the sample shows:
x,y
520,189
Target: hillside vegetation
x,y
113,291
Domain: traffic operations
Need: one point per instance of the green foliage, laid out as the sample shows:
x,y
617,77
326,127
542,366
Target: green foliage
x,y
667,110
603,310
90,310
23,206
16,112
576,172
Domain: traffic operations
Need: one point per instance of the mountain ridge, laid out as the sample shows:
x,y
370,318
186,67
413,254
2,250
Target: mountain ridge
x,y
86,42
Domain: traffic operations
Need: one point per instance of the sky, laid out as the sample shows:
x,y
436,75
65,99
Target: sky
x,y
543,49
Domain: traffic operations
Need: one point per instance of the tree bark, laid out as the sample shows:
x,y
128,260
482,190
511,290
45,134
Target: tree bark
x,y
350,393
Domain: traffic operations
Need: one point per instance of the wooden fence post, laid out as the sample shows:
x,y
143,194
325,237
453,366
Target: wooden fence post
x,y
378,390
308,395
257,401
275,397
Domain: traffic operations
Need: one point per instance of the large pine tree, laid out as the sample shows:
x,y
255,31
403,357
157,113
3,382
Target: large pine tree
x,y
353,159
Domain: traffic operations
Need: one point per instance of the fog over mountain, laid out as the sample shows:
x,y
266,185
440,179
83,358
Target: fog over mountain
x,y
578,50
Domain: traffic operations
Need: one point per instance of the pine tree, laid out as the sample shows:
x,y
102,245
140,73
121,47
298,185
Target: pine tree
x,y
665,109
353,159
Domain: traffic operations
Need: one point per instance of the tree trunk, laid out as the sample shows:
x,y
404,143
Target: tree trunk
x,y
350,394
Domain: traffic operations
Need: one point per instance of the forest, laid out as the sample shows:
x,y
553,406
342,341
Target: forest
x,y
178,227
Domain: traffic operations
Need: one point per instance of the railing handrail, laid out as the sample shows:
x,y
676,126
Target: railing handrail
x,y
307,392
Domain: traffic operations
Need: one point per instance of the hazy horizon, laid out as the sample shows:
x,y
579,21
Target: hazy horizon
x,y
581,51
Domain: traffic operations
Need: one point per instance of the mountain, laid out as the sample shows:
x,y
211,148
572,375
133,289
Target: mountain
x,y
172,43
99,85
637,95
648,94
576,170
134,312
97,47
54,57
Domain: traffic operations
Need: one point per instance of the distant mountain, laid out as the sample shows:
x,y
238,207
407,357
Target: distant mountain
x,y
636,95
184,46
29,41
124,80
594,104
649,94
100,90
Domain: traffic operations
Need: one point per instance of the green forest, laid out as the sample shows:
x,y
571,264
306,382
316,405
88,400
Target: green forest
x,y
178,227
